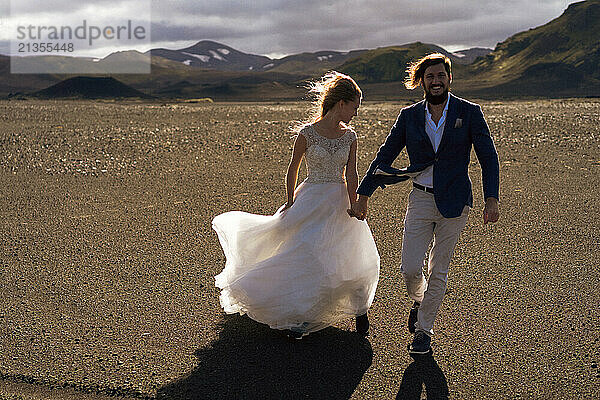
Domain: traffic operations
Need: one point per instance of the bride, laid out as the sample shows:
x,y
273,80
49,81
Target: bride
x,y
310,264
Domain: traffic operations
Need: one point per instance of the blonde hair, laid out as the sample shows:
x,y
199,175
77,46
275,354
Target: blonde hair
x,y
416,70
326,92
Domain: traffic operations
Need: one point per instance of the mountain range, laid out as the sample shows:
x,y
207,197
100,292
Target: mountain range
x,y
558,59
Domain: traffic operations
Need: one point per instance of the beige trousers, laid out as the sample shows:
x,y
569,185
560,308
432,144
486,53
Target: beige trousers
x,y
423,222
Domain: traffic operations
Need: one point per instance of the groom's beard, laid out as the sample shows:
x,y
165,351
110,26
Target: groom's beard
x,y
436,100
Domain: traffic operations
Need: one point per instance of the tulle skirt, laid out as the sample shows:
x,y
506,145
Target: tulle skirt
x,y
302,269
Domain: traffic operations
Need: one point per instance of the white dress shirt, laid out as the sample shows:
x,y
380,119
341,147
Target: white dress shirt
x,y
435,132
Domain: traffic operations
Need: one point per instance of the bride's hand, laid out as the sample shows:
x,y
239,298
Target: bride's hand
x,y
358,209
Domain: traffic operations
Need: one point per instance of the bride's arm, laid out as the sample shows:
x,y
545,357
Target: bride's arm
x,y
352,174
292,172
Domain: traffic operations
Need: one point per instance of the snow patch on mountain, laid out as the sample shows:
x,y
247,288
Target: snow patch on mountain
x,y
325,58
216,55
223,51
268,65
187,62
201,57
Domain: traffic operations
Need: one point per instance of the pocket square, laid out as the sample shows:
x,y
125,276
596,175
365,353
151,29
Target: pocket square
x,y
458,123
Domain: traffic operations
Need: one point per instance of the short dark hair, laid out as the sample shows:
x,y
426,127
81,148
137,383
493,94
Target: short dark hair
x,y
416,70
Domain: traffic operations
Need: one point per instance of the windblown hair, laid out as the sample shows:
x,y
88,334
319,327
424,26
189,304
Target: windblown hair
x,y
416,70
326,92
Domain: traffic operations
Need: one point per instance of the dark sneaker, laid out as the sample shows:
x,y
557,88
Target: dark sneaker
x,y
421,344
294,334
412,317
298,332
362,324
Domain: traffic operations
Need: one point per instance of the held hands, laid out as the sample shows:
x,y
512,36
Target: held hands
x,y
490,212
358,209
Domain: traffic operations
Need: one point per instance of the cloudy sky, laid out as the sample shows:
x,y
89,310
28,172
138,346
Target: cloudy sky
x,y
281,27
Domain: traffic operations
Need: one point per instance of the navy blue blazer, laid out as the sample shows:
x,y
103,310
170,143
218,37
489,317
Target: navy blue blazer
x,y
465,129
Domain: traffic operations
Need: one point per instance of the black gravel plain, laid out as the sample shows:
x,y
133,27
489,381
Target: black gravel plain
x,y
107,259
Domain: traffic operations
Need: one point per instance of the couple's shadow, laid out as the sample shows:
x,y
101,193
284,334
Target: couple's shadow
x,y
423,372
251,361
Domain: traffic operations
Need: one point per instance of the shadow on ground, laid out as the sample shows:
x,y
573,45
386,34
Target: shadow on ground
x,y
423,371
251,361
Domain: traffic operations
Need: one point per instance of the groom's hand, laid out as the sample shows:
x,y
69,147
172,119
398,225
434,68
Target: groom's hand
x,y
491,212
359,208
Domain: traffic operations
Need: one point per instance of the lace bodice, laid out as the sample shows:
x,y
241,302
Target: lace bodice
x,y
326,158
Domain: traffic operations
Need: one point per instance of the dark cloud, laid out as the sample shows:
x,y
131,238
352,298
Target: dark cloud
x,y
281,26
291,26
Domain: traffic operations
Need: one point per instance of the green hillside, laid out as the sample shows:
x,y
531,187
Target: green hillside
x,y
388,64
563,52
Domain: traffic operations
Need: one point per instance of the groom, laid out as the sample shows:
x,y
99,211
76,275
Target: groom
x,y
438,134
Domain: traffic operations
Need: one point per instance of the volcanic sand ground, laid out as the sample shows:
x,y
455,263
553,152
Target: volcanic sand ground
x,y
108,257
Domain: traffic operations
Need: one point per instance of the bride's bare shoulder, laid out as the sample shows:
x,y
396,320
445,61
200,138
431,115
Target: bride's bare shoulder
x,y
305,129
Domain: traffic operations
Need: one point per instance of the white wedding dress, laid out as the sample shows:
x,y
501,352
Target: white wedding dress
x,y
307,267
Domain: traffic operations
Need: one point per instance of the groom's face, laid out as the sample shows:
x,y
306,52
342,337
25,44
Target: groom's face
x,y
436,83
